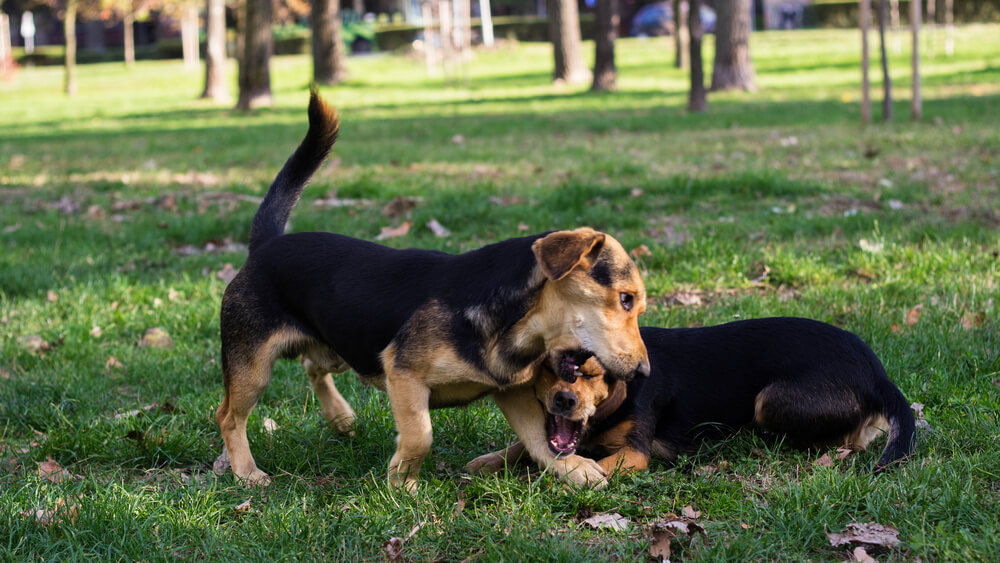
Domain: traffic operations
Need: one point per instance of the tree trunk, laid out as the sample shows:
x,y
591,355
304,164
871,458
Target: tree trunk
x,y
733,68
255,64
128,36
69,26
564,30
189,37
949,27
864,22
606,21
916,103
327,42
680,32
886,80
697,101
215,51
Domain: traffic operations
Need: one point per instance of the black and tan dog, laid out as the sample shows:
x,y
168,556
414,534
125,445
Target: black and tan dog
x,y
432,329
812,382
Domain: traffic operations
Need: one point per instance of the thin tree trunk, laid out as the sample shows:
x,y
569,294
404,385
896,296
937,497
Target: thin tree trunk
x,y
215,51
864,22
697,100
680,33
886,80
606,20
189,37
949,27
69,26
564,31
916,103
328,50
733,68
128,36
255,65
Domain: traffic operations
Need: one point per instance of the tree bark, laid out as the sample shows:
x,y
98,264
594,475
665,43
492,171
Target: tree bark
x,y
128,36
733,68
697,100
189,37
680,33
215,51
69,27
255,71
916,102
328,50
606,21
864,22
564,31
886,80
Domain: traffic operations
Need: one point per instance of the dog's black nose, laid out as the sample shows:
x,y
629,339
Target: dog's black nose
x,y
642,370
564,401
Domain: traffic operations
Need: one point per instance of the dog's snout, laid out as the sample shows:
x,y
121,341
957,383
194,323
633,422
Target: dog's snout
x,y
642,370
564,401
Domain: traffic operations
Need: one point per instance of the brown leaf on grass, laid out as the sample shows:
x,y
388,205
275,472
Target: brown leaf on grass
x,y
401,205
227,273
96,212
870,533
156,338
684,298
506,200
659,544
996,382
666,530
393,232
51,471
918,412
861,556
842,453
393,548
438,229
523,227
113,363
61,513
744,526
52,296
914,315
4,374
457,139
613,521
135,412
460,504
270,425
824,461
640,251
35,344
918,409
243,506
896,328
96,331
972,320
689,512
221,464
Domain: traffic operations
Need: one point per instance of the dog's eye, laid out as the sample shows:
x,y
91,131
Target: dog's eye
x,y
626,300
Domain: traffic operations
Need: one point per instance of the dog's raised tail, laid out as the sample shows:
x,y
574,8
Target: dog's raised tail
x,y
902,427
281,197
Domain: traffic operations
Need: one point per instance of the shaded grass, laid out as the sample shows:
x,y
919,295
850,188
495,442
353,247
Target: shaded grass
x,y
100,196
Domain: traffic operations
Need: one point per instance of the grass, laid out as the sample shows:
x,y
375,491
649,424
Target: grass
x,y
775,203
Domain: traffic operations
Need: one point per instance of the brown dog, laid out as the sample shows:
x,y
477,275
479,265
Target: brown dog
x,y
431,329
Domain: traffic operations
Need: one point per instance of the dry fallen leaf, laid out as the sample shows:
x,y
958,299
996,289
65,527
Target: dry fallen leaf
x,y
393,548
842,453
666,530
640,251
34,343
972,320
50,470
60,513
920,422
270,425
96,332
392,232
689,512
896,328
438,229
52,296
401,205
861,556
4,374
112,363
870,533
824,461
523,227
227,273
614,521
156,338
221,464
457,139
243,506
914,315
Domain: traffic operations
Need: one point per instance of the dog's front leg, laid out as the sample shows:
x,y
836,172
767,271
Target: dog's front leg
x,y
496,461
526,417
410,400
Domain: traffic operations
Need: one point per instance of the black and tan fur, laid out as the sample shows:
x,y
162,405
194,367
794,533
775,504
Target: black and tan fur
x,y
810,381
431,329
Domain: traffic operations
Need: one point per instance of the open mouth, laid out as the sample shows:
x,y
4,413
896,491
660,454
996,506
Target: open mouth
x,y
568,364
563,434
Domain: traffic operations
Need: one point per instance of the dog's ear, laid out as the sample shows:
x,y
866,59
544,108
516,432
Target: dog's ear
x,y
559,252
616,395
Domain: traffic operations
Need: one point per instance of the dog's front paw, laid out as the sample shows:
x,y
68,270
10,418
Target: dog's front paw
x,y
486,464
580,470
403,475
343,425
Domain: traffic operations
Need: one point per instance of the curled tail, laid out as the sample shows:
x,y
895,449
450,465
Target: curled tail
x,y
902,428
272,215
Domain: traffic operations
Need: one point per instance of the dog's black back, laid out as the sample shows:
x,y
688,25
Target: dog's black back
x,y
820,383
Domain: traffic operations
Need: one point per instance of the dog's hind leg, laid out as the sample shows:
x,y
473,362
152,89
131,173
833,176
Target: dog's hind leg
x,y
320,362
817,413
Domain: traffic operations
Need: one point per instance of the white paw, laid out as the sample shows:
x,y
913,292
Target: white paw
x,y
580,471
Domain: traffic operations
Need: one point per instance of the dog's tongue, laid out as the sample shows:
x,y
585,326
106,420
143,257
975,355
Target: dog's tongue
x,y
563,434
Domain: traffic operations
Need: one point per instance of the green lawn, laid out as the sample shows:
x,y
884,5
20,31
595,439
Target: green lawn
x,y
120,208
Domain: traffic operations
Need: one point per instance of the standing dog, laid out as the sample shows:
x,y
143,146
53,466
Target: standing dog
x,y
813,382
431,329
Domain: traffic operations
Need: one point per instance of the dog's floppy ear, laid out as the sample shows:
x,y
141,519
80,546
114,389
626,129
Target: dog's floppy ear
x,y
559,252
616,395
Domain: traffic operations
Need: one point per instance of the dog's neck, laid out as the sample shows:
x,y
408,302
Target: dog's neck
x,y
616,397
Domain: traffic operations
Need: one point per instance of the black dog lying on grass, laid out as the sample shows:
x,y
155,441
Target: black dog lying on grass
x,y
810,381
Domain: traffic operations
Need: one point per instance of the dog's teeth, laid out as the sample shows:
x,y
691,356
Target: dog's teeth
x,y
577,371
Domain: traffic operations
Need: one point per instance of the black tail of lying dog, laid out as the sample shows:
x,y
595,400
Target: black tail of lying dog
x,y
902,428
273,213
